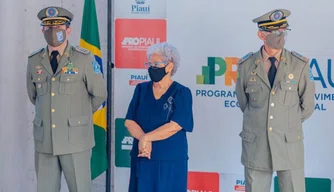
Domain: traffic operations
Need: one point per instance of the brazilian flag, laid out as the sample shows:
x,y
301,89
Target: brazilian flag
x,y
90,40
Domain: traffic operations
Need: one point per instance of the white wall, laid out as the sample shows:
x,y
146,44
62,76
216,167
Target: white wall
x,y
19,36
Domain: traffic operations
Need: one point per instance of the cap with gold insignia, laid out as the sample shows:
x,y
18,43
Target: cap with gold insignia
x,y
273,20
51,16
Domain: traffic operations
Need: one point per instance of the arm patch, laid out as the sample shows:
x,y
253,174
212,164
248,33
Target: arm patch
x,y
311,75
299,56
96,67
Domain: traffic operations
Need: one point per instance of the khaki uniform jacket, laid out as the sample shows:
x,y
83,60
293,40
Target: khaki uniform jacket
x,y
272,134
64,101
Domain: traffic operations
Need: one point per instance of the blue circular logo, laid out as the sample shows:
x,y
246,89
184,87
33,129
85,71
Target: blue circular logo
x,y
277,15
51,12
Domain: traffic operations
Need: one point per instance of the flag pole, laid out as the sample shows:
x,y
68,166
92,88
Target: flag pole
x,y
110,66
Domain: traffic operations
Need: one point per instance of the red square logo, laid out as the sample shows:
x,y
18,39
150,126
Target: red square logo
x,y
133,37
203,181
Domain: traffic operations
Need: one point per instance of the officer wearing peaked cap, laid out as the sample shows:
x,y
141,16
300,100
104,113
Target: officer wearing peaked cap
x,y
65,84
275,91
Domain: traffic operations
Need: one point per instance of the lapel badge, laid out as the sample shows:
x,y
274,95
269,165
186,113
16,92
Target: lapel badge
x,y
39,85
253,73
38,67
258,61
252,79
290,76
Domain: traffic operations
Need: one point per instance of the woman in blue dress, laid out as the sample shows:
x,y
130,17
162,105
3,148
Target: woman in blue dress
x,y
159,116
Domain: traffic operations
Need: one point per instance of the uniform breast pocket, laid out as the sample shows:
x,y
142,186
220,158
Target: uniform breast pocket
x,y
69,84
256,98
288,95
41,84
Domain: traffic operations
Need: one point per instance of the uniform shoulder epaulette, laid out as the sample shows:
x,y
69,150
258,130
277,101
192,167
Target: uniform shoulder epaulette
x,y
81,50
299,56
244,58
35,52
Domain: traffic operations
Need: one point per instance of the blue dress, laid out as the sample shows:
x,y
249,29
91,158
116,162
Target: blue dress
x,y
167,170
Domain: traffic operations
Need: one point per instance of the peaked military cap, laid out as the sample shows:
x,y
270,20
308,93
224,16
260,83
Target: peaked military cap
x,y
51,16
273,20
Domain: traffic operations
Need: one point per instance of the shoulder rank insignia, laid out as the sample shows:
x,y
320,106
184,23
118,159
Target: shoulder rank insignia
x,y
244,58
81,50
35,52
299,56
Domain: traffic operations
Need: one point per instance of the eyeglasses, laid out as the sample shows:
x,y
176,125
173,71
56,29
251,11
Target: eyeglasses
x,y
156,65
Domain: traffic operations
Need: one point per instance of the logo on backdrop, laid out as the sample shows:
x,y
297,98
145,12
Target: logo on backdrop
x,y
219,72
325,79
203,182
123,144
136,78
239,186
140,7
225,67
133,37
139,43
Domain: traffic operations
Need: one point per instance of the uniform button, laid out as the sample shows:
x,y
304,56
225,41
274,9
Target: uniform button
x,y
53,110
272,104
289,88
273,92
298,137
53,126
271,117
39,79
53,79
78,122
53,94
270,128
67,79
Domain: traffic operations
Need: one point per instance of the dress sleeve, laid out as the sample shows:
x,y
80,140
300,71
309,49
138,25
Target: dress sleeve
x,y
130,115
182,109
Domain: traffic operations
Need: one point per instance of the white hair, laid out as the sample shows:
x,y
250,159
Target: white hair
x,y
168,53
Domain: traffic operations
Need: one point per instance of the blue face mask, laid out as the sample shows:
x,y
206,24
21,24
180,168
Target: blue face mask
x,y
157,74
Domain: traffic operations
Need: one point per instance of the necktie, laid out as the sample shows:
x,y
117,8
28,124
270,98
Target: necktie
x,y
54,61
272,71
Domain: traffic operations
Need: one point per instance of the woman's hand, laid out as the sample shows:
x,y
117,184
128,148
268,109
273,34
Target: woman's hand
x,y
144,148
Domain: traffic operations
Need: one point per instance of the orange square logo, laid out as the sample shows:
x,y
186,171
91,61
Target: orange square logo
x,y
203,181
133,37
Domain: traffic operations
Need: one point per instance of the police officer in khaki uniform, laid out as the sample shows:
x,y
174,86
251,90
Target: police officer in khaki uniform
x,y
275,91
65,84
